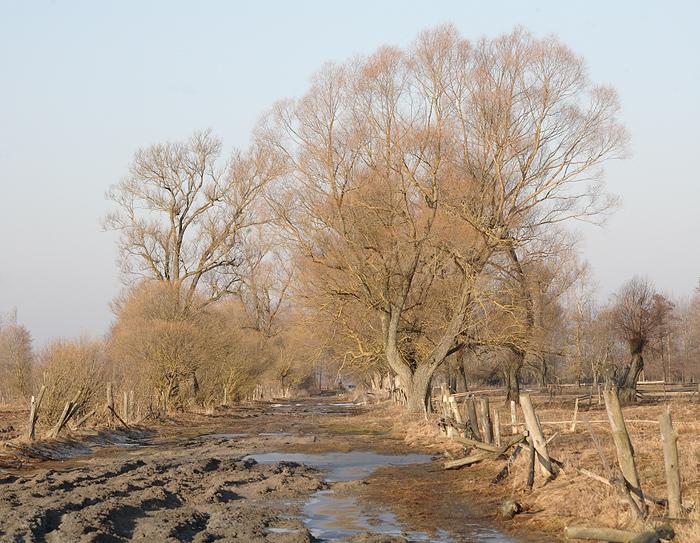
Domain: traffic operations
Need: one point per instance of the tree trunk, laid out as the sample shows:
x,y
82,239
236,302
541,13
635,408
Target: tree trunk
x,y
628,381
417,388
512,374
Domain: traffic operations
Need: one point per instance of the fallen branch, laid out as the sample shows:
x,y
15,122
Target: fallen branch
x,y
118,417
466,461
614,535
599,534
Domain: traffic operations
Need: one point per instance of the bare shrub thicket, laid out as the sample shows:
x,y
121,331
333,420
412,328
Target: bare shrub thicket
x,y
71,369
16,359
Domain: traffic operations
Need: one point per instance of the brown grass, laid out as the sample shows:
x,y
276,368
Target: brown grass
x,y
572,498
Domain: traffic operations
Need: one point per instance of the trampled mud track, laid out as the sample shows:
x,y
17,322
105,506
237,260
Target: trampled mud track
x,y
191,479
201,491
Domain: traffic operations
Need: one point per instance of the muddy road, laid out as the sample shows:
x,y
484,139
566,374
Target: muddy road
x,y
314,470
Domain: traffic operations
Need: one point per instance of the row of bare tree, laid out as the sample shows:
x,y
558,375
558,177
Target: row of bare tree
x,y
407,214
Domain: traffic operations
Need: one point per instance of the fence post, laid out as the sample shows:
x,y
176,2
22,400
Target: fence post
x,y
573,422
623,446
535,433
486,420
34,413
473,420
513,418
669,440
497,427
125,407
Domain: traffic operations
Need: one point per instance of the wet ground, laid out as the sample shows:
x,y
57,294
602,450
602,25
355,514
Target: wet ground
x,y
316,470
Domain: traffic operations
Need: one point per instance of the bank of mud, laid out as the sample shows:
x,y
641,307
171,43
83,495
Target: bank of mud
x,y
193,480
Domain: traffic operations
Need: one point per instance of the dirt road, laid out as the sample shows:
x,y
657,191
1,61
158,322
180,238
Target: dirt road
x,y
197,481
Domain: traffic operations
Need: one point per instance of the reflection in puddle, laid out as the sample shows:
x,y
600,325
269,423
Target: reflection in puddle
x,y
332,517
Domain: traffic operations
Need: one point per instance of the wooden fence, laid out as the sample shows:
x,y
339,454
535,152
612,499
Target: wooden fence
x,y
468,419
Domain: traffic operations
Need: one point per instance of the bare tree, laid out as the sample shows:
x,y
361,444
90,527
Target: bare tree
x,y
187,218
638,314
412,169
16,359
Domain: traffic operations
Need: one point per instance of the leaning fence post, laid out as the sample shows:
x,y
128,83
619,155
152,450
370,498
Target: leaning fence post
x,y
623,445
669,439
535,432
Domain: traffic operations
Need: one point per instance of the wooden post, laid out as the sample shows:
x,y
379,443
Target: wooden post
x,y
513,418
455,410
473,420
486,420
496,427
125,407
131,405
531,465
623,446
535,432
573,422
110,405
34,414
59,425
669,439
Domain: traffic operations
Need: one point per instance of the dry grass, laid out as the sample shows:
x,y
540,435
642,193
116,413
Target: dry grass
x,y
572,498
576,499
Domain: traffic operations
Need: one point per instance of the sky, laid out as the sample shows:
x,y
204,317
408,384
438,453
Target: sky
x,y
85,84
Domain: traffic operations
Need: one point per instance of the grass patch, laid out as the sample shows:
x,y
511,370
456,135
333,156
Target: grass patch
x,y
354,429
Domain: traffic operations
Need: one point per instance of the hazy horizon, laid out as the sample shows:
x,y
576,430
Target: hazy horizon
x,y
86,84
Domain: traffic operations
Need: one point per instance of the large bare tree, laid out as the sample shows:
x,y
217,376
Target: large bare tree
x,y
412,168
188,218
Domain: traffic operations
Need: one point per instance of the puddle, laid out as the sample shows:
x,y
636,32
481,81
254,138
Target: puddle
x,y
333,517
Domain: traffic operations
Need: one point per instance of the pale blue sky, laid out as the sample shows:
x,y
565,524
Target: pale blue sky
x,y
83,84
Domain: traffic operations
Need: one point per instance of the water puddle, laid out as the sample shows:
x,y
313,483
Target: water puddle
x,y
333,517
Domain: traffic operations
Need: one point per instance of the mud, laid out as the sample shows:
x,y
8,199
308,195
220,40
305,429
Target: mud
x,y
199,492
195,480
